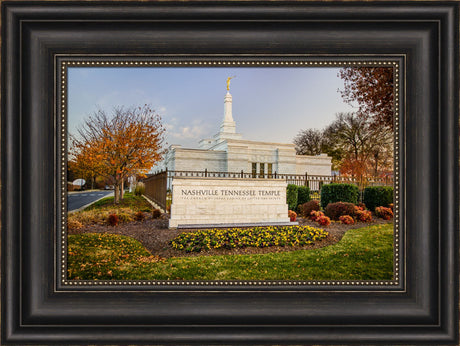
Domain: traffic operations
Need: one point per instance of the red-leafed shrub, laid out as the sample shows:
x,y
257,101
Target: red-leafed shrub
x,y
315,215
139,216
324,221
364,215
112,219
156,213
384,213
336,210
347,220
292,215
306,208
361,205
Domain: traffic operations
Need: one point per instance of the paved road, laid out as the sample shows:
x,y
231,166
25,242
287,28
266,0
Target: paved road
x,y
77,200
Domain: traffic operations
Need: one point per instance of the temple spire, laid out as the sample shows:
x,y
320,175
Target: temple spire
x,y
228,125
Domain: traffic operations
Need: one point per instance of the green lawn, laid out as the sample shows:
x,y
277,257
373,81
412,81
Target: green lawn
x,y
136,203
362,254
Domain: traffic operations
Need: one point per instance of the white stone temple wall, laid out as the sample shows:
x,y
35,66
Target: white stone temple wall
x,y
199,160
313,165
286,161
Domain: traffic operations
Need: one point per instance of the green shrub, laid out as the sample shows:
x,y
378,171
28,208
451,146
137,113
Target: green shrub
x,y
338,209
306,208
140,189
376,196
291,196
331,193
303,195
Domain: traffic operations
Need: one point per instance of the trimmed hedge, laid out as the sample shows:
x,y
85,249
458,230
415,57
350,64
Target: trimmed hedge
x,y
303,195
291,196
378,196
332,193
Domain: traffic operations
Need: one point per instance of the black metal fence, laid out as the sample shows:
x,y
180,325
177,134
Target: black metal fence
x,y
158,186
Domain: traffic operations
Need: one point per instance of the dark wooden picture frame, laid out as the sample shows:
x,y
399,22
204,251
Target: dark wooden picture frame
x,y
421,309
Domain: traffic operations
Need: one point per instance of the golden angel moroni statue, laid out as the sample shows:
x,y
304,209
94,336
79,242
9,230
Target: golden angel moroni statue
x,y
228,82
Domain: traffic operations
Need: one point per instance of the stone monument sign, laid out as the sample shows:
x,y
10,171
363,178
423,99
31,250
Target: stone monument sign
x,y
202,201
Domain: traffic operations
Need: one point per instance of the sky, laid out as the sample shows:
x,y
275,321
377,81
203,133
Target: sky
x,y
269,104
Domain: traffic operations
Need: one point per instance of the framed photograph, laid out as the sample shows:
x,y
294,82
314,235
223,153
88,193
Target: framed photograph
x,y
317,205
236,196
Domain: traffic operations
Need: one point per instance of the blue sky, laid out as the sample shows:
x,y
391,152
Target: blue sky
x,y
269,104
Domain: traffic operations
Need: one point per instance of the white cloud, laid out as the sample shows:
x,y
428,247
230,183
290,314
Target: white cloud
x,y
196,131
188,132
169,127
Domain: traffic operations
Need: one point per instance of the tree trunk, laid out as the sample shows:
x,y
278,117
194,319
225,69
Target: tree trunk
x,y
376,165
122,188
117,193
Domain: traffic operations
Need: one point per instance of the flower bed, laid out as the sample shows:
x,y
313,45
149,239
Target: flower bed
x,y
250,237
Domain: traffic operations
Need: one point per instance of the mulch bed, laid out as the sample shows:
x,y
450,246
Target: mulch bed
x,y
155,235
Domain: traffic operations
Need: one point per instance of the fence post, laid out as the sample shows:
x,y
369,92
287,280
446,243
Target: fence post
x,y
275,174
242,176
205,172
306,179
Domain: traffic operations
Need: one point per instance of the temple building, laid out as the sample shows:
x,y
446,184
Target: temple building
x,y
228,151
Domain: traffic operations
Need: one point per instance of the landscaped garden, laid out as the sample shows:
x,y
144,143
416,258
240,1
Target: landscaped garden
x,y
334,240
362,254
131,208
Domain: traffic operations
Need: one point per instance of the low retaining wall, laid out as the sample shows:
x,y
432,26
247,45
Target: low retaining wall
x,y
229,201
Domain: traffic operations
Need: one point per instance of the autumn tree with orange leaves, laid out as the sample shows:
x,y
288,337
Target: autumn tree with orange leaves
x,y
371,90
127,142
84,165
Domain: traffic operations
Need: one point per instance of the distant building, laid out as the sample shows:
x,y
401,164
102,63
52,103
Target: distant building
x,y
227,151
